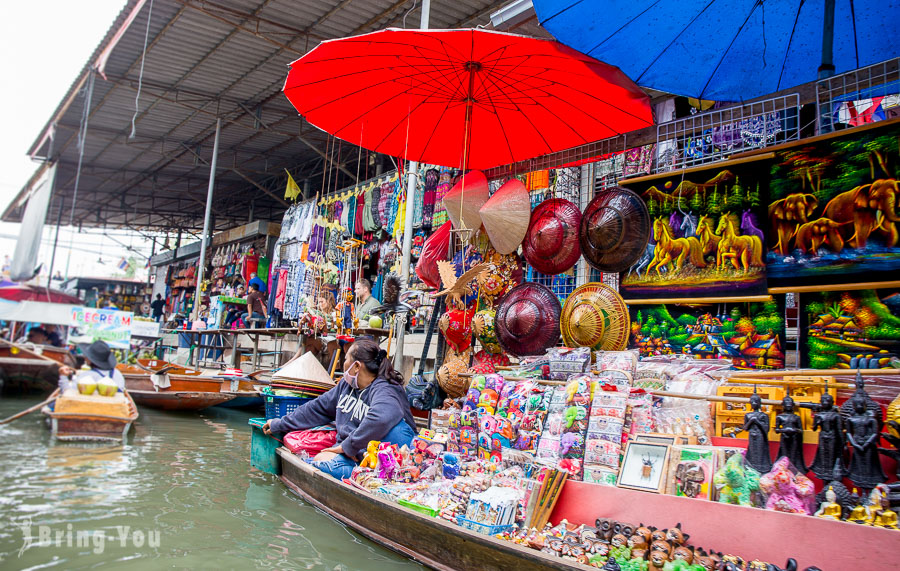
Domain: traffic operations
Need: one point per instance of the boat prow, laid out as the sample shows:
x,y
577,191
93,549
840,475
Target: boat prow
x,y
91,417
428,540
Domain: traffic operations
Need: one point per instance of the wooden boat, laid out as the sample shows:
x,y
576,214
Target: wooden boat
x,y
188,389
429,540
442,545
31,368
243,399
91,417
179,400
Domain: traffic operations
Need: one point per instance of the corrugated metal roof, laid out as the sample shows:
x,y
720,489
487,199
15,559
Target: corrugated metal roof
x,y
207,59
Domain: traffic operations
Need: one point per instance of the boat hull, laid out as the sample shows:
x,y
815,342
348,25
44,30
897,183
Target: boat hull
x,y
20,374
428,540
91,426
244,400
179,400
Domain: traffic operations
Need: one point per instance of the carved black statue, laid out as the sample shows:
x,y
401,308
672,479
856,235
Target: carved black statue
x,y
790,426
829,462
862,434
756,423
873,407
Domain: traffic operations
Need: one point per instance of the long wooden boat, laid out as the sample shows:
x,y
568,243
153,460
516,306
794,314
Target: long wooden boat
x,y
429,540
139,377
31,368
243,399
751,533
180,400
91,417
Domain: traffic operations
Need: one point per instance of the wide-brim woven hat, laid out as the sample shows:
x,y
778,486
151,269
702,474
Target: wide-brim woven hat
x,y
596,316
505,216
527,320
615,230
306,368
465,199
551,242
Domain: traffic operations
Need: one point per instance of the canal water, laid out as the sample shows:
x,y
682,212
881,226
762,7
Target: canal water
x,y
179,494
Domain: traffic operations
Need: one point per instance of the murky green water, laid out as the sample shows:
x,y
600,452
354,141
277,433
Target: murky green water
x,y
179,494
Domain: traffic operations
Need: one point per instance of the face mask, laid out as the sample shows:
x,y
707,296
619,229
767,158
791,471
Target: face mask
x,y
352,379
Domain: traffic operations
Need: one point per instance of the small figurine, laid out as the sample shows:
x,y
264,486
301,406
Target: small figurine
x,y
862,433
756,423
828,464
675,536
658,560
789,425
885,517
451,465
787,492
860,512
736,482
370,459
829,509
844,498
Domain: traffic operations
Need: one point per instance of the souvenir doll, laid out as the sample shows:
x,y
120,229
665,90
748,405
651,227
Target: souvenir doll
x,y
787,492
828,464
884,516
736,482
829,508
347,310
756,423
862,434
789,425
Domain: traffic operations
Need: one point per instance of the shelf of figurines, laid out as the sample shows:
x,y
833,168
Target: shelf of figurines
x,y
742,532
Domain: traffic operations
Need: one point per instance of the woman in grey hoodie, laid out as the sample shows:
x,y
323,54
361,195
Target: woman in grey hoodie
x,y
368,404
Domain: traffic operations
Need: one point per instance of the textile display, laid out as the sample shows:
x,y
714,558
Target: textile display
x,y
706,239
445,183
832,211
749,335
850,330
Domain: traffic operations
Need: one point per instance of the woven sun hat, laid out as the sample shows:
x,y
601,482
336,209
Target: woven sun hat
x,y
596,316
615,230
551,243
527,320
506,215
306,368
465,199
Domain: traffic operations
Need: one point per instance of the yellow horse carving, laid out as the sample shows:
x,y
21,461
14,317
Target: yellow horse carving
x,y
742,251
669,249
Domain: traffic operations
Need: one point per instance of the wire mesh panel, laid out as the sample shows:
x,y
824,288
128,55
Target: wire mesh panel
x,y
859,97
714,135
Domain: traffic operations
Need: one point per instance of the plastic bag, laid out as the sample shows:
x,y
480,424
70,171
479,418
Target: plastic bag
x,y
310,441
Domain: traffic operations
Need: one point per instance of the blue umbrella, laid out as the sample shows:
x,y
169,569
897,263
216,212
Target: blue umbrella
x,y
725,50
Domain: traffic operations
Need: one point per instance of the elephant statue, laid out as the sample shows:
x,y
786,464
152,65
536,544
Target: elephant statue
x,y
812,235
871,208
786,215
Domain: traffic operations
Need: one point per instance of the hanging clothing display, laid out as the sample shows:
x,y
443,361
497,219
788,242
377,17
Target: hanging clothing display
x,y
445,183
431,182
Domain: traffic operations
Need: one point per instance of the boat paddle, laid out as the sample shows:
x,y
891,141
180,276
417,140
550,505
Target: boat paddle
x,y
29,410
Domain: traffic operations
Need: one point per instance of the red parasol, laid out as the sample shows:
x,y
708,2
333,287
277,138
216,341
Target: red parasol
x,y
22,292
470,98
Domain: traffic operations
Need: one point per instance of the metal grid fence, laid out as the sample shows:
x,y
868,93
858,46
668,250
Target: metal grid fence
x,y
714,135
858,97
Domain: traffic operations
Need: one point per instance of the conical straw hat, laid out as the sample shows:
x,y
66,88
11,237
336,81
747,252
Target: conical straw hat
x,y
471,192
551,242
527,320
306,368
615,230
594,315
506,215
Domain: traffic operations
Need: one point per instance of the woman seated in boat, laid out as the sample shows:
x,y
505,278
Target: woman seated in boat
x,y
368,404
102,362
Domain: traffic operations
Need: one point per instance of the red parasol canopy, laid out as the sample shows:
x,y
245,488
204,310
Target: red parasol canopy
x,y
22,292
469,98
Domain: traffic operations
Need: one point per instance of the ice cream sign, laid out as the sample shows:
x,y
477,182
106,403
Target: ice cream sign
x,y
89,324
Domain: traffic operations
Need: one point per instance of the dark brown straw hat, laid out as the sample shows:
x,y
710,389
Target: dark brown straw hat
x,y
527,320
551,243
615,230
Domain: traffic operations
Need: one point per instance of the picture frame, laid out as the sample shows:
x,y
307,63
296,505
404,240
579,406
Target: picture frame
x,y
645,467
670,439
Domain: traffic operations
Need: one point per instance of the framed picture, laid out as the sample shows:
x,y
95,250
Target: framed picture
x,y
691,470
645,466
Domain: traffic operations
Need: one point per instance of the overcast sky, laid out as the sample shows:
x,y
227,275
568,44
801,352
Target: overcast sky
x,y
43,46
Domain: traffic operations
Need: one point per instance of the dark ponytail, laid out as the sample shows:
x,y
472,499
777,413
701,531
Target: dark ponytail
x,y
375,360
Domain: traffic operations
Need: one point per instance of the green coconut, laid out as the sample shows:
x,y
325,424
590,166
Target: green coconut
x,y
87,387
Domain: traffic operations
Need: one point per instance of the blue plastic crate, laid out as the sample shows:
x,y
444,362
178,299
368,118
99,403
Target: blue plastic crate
x,y
278,406
481,527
